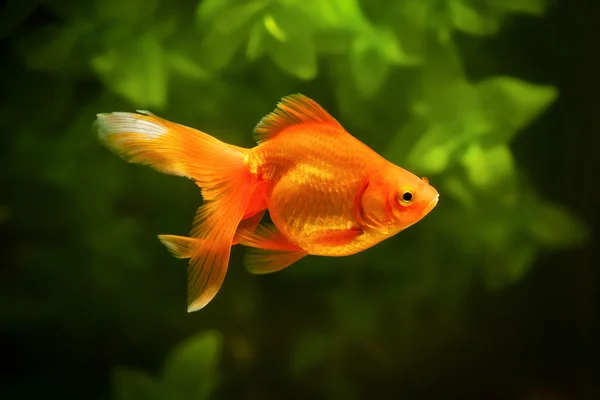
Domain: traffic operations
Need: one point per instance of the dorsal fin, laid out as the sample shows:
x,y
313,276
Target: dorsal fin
x,y
292,110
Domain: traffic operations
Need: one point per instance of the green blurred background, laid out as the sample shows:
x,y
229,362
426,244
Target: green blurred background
x,y
493,295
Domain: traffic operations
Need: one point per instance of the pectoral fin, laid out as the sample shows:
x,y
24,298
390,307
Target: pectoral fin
x,y
337,237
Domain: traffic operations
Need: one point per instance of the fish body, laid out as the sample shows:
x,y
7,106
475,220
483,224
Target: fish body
x,y
326,192
315,177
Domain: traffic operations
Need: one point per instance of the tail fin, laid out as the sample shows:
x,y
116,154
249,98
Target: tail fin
x,y
165,146
217,167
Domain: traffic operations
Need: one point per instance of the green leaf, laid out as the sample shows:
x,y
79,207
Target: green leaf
x,y
336,23
403,141
190,370
461,191
334,41
372,55
238,17
131,384
256,42
274,29
390,46
467,19
297,57
440,145
554,226
417,12
218,48
227,33
533,7
209,10
186,67
133,68
351,104
444,94
369,66
489,167
432,159
291,45
414,21
510,104
333,14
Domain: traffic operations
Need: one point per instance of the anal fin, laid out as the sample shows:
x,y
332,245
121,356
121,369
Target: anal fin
x,y
260,261
270,252
179,246
182,246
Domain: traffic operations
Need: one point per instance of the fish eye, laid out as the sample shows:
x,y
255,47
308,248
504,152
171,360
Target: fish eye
x,y
405,197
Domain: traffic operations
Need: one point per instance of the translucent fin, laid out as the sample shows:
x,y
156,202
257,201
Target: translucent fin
x,y
260,261
165,146
247,225
217,167
179,246
292,110
271,250
266,236
215,225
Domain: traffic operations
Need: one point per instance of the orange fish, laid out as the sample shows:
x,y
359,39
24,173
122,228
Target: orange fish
x,y
327,193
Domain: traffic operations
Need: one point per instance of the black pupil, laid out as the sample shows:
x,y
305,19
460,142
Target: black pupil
x,y
407,196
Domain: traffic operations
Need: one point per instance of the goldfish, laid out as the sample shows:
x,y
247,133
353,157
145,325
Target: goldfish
x,y
326,192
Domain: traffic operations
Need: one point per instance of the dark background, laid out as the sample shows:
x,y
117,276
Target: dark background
x,y
85,287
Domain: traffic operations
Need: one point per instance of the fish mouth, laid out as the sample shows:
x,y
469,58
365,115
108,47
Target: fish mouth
x,y
431,204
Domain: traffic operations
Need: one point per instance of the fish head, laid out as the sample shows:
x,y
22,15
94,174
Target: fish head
x,y
395,200
411,199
